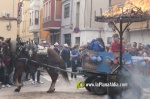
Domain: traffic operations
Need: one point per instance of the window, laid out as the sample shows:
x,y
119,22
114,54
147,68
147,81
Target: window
x,y
66,10
36,17
47,11
43,11
47,8
77,14
68,39
58,9
30,18
78,40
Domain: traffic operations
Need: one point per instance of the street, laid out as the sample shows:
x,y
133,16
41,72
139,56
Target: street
x,y
38,91
63,90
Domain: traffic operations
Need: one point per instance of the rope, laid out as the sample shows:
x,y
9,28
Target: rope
x,y
57,68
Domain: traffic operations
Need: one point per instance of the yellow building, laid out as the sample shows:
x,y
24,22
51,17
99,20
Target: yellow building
x,y
25,22
8,19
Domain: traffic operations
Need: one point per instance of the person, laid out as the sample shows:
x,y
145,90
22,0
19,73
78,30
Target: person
x,y
74,60
128,45
145,52
139,47
148,52
135,48
115,45
65,54
132,51
56,48
18,39
33,72
4,76
97,45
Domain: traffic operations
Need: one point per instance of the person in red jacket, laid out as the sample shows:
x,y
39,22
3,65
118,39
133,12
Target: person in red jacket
x,y
115,45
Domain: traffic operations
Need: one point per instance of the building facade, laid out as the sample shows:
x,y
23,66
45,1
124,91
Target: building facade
x,y
8,20
78,21
34,19
52,19
44,35
66,23
25,21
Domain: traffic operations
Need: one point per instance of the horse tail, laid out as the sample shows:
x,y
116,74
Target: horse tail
x,y
64,74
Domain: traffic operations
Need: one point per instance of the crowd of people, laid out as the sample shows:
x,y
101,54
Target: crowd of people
x,y
72,57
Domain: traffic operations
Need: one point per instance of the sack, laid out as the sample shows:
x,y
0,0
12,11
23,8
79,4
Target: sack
x,y
90,46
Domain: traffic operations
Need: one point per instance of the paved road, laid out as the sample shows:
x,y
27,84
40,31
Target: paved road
x,y
63,91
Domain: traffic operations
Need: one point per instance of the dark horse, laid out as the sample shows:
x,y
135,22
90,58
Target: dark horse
x,y
28,53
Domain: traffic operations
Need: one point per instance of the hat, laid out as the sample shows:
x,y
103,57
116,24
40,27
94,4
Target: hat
x,y
65,45
56,44
44,41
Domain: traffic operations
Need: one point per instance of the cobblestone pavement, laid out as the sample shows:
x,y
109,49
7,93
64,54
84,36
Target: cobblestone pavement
x,y
63,91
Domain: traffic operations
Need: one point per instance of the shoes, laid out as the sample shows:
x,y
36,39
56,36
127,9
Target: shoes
x,y
33,82
3,86
40,82
24,83
30,80
71,79
8,86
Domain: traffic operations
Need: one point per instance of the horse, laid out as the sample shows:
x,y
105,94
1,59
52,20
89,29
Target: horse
x,y
53,59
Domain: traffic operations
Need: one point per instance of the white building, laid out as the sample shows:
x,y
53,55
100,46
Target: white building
x,y
78,21
34,18
66,23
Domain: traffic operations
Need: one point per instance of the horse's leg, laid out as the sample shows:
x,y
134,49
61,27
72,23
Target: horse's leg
x,y
15,77
18,75
19,85
54,77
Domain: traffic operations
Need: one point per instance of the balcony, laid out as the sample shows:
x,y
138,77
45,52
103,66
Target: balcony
x,y
34,28
35,3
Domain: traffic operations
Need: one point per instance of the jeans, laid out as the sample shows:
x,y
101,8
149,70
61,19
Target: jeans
x,y
4,78
74,68
38,75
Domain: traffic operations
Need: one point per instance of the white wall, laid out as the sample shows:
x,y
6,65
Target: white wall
x,y
85,36
141,36
10,6
66,22
89,28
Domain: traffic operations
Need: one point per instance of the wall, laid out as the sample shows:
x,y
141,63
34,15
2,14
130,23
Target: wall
x,y
141,36
89,29
114,2
66,23
52,23
10,6
24,25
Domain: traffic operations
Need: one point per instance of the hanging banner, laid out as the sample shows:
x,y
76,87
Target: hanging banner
x,y
20,12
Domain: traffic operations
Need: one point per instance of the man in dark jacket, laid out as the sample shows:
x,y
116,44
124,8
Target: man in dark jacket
x,y
66,55
56,48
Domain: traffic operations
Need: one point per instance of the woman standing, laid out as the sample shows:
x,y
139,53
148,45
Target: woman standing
x,y
74,60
